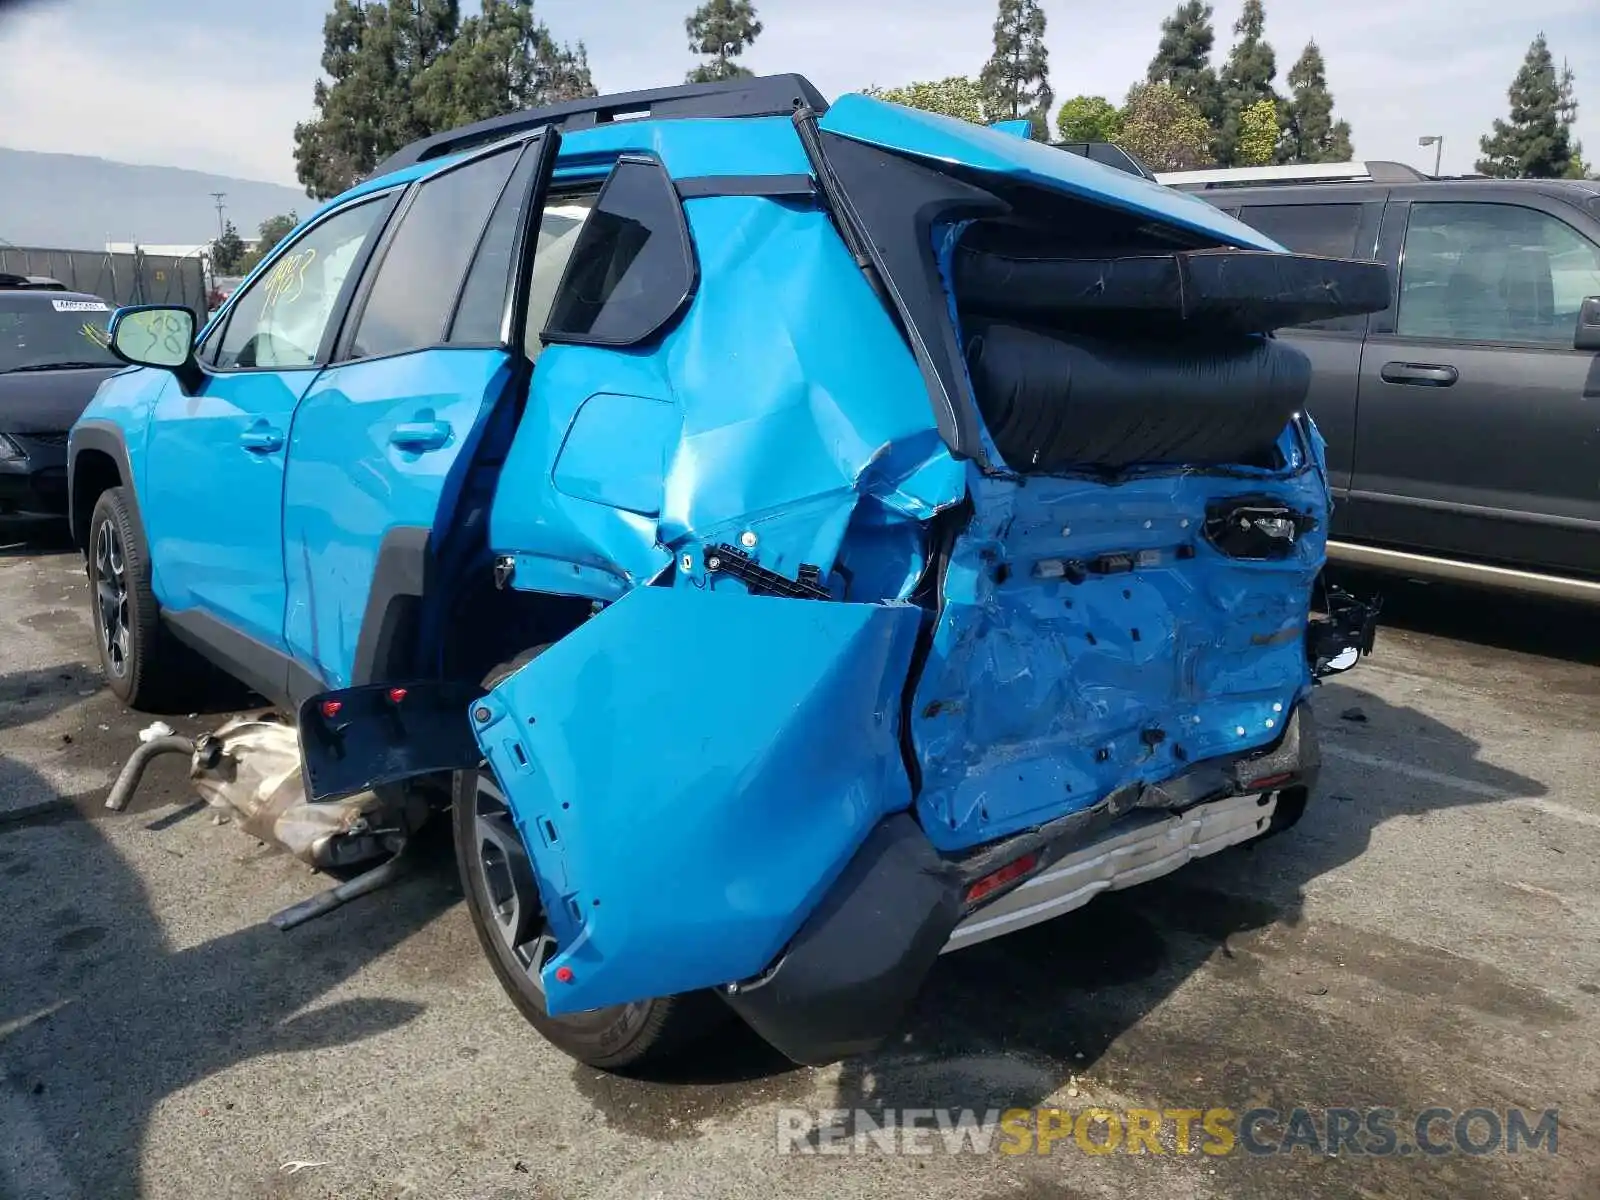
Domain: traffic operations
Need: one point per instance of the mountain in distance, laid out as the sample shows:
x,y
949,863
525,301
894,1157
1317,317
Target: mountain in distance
x,y
74,202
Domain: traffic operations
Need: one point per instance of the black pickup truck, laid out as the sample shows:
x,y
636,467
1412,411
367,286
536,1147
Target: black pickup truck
x,y
1463,423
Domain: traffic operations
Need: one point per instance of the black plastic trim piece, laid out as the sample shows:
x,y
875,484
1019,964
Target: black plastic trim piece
x,y
893,203
271,673
550,336
846,978
354,739
392,621
105,437
756,96
699,187
763,581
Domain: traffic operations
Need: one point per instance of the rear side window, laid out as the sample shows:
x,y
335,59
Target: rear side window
x,y
1328,230
422,269
632,267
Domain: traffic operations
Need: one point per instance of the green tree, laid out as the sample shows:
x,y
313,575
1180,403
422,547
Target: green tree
x,y
1310,133
227,251
1536,143
1183,57
1088,119
721,30
374,56
503,60
273,230
1164,129
1016,80
956,96
1245,81
1258,131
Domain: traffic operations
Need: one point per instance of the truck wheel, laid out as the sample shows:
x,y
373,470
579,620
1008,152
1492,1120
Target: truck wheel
x,y
144,666
503,898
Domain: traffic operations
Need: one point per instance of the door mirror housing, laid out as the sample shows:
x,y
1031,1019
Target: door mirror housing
x,y
1587,336
157,335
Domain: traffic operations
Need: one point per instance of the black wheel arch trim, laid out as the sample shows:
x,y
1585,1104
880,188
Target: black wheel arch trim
x,y
104,437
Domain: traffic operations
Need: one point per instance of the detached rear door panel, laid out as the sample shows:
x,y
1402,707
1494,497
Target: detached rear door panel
x,y
383,441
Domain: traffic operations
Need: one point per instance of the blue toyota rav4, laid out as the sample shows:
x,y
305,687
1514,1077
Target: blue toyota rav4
x,y
793,540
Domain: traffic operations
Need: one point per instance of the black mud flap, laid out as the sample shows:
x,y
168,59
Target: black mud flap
x,y
844,982
358,738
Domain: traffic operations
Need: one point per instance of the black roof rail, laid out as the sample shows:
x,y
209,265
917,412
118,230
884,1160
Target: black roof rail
x,y
753,96
1110,154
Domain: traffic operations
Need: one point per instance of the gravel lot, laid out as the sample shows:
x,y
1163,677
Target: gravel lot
x,y
1429,934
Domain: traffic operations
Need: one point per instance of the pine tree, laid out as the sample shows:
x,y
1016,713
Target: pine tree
x,y
374,55
504,60
721,30
1537,142
1246,80
1016,80
1310,134
403,69
227,251
1183,57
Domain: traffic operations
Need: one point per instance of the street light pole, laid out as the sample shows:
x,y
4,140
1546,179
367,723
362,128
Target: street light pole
x,y
1436,140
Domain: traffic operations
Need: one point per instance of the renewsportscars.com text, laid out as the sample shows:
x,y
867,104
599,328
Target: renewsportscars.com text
x,y
1215,1131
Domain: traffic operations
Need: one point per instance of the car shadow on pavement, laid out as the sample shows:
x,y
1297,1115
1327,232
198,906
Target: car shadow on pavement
x,y
103,1017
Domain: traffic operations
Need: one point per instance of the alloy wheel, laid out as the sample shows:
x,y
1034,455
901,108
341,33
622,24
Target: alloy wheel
x,y
510,891
111,597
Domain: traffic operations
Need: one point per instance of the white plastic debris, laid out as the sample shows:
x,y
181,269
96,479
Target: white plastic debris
x,y
154,730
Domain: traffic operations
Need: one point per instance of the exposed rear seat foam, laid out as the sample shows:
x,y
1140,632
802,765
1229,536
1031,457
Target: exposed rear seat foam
x,y
1055,401
1240,291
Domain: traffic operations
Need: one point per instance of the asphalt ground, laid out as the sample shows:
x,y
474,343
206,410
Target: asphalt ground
x,y
1428,936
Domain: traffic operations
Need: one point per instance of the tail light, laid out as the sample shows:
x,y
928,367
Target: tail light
x,y
995,880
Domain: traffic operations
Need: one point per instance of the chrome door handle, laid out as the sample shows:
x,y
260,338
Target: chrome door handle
x,y
1426,374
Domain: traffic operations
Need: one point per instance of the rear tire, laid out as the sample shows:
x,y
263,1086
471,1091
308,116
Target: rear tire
x,y
145,667
508,916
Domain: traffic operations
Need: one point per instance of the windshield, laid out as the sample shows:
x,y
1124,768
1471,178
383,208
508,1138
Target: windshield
x,y
38,333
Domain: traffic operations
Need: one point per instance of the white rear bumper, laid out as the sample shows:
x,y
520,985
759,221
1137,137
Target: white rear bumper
x,y
1142,847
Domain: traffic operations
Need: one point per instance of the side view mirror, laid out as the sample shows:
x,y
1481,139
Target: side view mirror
x,y
157,335
1587,336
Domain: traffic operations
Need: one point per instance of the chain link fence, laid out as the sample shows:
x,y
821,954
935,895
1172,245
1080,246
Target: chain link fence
x,y
117,278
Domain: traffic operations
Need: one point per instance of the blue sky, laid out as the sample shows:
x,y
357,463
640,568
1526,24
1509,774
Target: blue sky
x,y
218,84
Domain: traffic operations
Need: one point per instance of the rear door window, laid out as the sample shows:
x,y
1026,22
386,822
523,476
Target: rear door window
x,y
1329,230
1326,230
423,268
1494,273
632,266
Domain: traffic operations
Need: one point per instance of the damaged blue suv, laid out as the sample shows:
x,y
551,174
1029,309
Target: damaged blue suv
x,y
792,540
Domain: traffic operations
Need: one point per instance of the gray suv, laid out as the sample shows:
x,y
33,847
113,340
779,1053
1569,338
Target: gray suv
x,y
1463,423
